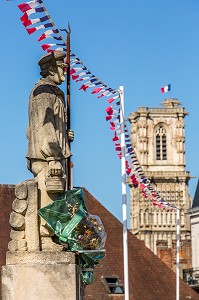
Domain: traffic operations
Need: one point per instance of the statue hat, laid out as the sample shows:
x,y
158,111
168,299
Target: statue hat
x,y
51,59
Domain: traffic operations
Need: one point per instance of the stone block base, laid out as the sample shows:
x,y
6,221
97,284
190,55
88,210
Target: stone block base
x,y
40,276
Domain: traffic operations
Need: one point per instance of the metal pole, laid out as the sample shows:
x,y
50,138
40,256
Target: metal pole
x,y
178,254
124,202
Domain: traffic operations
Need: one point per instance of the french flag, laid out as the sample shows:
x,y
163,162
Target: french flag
x,y
32,11
97,90
28,5
47,46
26,22
166,88
47,34
43,26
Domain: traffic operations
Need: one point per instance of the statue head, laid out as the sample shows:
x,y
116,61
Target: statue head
x,y
53,67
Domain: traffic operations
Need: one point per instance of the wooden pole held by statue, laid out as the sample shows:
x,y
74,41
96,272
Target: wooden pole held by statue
x,y
69,164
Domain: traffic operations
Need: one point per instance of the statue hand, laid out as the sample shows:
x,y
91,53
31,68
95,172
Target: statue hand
x,y
70,135
55,168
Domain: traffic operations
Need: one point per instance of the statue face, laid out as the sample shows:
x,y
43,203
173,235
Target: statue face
x,y
60,73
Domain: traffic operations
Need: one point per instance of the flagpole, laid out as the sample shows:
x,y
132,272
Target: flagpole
x,y
170,92
124,202
177,254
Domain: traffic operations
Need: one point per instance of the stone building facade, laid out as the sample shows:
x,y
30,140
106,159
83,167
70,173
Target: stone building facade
x,y
194,217
158,137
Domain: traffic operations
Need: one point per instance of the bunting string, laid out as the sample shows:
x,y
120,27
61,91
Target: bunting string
x,y
80,74
44,21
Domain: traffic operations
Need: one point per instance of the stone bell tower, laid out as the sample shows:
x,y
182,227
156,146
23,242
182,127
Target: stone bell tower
x,y
158,137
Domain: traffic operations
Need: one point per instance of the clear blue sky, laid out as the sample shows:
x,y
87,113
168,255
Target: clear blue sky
x,y
141,45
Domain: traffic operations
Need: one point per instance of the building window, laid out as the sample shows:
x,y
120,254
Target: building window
x,y
147,217
161,143
113,285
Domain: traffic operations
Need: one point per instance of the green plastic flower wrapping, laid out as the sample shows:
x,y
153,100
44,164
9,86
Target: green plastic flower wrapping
x,y
69,218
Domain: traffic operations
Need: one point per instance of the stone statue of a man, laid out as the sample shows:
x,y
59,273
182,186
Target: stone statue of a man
x,y
47,133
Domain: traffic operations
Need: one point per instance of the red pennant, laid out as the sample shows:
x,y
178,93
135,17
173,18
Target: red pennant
x,y
110,100
24,18
45,46
118,148
119,155
42,37
128,171
84,87
31,30
97,90
108,118
74,77
112,127
72,71
115,138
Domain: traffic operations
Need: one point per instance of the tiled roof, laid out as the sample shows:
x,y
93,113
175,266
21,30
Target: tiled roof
x,y
149,277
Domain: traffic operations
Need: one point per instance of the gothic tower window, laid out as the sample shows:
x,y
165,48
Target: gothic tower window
x,y
161,143
147,217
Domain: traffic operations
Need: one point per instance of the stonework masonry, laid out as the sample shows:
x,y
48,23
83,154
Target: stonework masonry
x,y
40,275
194,218
158,136
6,199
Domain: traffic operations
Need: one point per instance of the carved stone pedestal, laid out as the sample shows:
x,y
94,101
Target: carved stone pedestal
x,y
41,275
